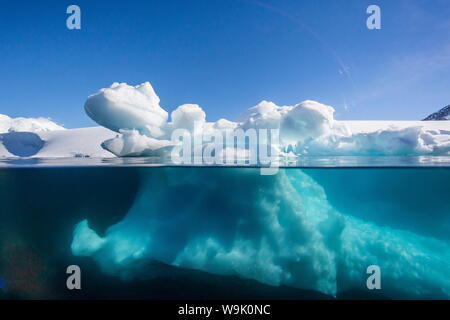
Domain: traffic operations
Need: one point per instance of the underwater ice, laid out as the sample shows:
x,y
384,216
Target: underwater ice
x,y
307,128
279,230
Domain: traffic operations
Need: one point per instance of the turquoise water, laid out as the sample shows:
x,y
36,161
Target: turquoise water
x,y
225,232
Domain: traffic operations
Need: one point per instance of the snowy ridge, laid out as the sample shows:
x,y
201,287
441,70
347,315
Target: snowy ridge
x,y
83,142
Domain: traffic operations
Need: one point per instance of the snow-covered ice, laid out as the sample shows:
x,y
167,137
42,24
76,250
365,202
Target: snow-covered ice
x,y
134,124
126,107
307,128
131,143
76,143
83,142
8,124
280,230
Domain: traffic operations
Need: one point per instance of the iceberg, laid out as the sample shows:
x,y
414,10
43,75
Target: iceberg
x,y
278,230
284,229
305,129
131,143
133,124
313,229
126,107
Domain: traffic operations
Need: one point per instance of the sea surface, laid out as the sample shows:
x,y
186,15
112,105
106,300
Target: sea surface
x,y
140,228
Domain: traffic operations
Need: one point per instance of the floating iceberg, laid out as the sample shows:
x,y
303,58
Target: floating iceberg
x,y
131,143
279,230
134,124
298,228
307,128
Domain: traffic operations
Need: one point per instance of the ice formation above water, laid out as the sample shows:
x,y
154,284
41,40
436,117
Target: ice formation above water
x,y
279,230
134,124
21,136
307,128
125,107
131,143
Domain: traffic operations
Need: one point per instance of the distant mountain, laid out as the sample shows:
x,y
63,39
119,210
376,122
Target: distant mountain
x,y
8,124
443,114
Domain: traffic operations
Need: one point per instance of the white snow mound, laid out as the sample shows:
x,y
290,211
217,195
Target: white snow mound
x,y
126,107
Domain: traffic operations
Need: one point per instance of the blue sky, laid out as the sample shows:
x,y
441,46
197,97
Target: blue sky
x,y
227,55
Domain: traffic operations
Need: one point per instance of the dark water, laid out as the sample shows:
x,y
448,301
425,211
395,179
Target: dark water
x,y
209,233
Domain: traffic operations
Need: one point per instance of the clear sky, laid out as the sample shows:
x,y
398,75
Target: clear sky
x,y
227,55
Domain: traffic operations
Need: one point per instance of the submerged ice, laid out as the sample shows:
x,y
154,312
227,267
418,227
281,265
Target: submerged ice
x,y
307,128
279,230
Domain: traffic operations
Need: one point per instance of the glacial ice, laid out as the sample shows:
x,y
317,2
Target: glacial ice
x,y
8,124
86,241
279,230
131,143
186,115
20,136
307,128
126,107
134,124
